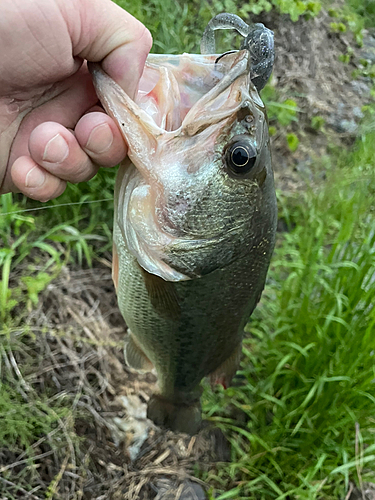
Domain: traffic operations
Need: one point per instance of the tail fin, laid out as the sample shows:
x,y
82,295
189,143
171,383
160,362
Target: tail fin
x,y
177,417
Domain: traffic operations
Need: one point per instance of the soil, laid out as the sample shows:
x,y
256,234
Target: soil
x,y
77,333
308,70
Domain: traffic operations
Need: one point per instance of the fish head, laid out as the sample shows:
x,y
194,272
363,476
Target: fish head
x,y
199,191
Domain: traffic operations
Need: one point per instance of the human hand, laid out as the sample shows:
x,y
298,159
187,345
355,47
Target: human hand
x,y
51,128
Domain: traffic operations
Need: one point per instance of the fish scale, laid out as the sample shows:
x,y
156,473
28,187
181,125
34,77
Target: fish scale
x,y
220,311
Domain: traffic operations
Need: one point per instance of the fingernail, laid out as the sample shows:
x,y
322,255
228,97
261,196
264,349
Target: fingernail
x,y
100,139
56,150
35,178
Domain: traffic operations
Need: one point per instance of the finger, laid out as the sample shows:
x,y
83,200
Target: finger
x,y
101,139
76,96
100,30
56,149
35,182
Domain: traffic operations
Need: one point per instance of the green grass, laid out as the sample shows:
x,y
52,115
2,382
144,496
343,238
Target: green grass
x,y
22,423
302,422
76,227
301,418
365,9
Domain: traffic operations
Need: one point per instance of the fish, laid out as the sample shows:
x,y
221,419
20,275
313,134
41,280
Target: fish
x,y
194,223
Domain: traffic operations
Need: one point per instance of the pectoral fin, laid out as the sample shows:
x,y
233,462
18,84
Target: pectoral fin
x,y
163,295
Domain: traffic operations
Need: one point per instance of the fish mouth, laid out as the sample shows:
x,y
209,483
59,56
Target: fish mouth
x,y
182,106
177,96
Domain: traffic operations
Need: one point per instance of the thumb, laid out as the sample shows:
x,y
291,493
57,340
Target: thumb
x,y
102,31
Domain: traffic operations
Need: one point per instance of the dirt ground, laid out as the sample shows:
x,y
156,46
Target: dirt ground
x,y
307,69
77,333
78,345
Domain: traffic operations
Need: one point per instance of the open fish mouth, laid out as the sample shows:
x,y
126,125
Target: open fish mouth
x,y
178,95
186,108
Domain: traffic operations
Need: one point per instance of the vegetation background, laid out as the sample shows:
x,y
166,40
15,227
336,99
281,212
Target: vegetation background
x,y
300,418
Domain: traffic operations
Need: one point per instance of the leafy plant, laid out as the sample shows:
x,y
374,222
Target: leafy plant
x,y
338,27
292,141
177,26
317,123
347,19
281,112
365,9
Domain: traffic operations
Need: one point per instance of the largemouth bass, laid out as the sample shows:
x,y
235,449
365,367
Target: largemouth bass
x,y
195,220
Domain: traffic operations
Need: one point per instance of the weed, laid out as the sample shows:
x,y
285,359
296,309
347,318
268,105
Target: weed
x,y
317,123
347,19
338,27
178,26
23,422
281,114
292,141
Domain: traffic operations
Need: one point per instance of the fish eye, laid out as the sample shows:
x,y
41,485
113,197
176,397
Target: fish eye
x,y
240,157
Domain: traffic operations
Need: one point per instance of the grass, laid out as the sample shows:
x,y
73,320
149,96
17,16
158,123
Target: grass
x,y
79,226
301,422
365,9
23,423
300,417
